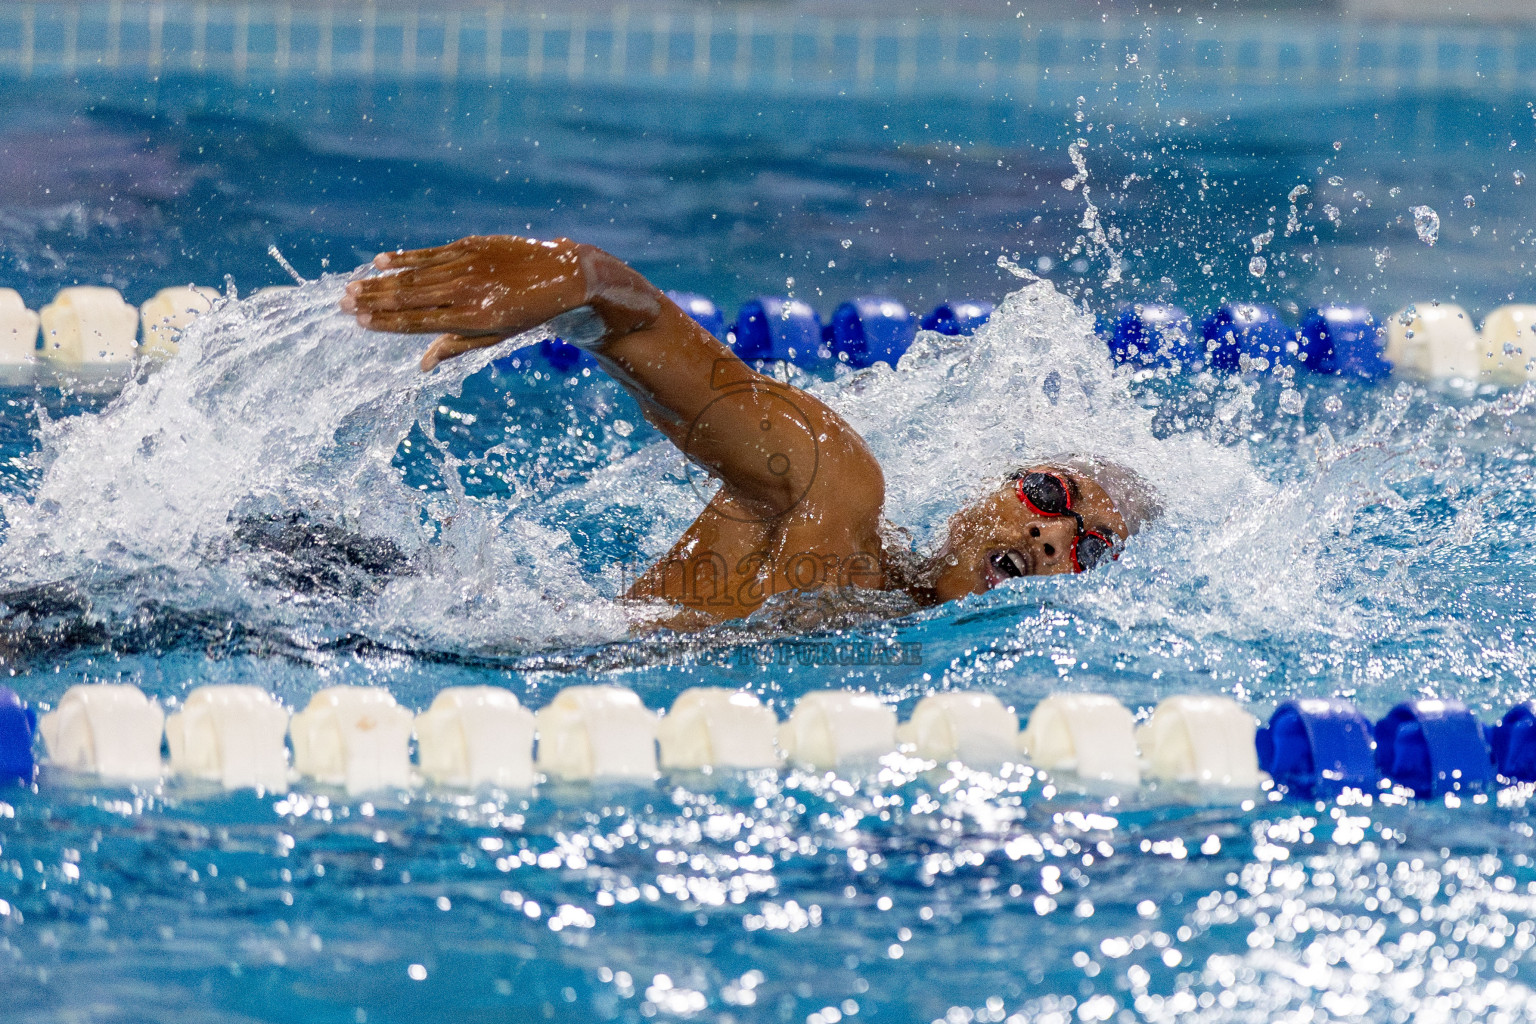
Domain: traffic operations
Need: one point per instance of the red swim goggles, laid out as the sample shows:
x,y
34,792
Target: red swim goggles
x,y
1047,494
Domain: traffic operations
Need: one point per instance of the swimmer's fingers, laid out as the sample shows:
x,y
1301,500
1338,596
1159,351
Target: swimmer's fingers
x,y
407,258
409,321
471,321
395,299
447,346
469,270
438,273
503,246
375,292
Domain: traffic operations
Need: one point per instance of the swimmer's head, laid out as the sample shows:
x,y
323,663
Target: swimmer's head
x,y
1058,516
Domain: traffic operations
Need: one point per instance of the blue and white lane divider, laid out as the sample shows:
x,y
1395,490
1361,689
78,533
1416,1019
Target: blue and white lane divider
x,y
87,328
1437,340
359,739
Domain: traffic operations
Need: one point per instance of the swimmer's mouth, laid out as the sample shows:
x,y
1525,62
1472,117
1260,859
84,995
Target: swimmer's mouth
x,y
1007,564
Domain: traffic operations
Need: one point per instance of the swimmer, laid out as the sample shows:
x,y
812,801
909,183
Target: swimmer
x,y
800,497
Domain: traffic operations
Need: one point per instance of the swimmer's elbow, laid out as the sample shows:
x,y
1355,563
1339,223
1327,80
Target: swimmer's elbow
x,y
620,295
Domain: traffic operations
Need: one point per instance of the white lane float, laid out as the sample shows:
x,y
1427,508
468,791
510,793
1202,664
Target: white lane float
x,y
1091,735
832,728
970,726
169,313
1509,343
359,737
89,327
597,732
1434,340
106,729
717,727
476,736
234,735
356,737
1204,739
18,330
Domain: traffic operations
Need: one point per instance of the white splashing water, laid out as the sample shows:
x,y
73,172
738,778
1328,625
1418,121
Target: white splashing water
x,y
281,403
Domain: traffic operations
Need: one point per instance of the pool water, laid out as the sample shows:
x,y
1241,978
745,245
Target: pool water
x,y
151,184
1321,537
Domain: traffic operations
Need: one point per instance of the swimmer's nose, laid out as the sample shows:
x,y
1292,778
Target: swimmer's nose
x,y
1050,542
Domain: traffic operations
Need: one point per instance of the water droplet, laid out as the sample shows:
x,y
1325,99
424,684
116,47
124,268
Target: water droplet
x,y
1427,223
1257,266
1333,403
1298,192
1291,401
1338,146
1335,181
1381,256
1394,192
1519,177
1468,202
847,243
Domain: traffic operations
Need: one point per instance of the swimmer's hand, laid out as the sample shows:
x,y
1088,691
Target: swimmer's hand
x,y
481,290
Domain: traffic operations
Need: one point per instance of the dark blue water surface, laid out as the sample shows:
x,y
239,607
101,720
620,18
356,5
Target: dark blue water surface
x,y
1370,540
149,185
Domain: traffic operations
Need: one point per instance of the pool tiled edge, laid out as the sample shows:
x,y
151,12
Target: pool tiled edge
x,y
752,51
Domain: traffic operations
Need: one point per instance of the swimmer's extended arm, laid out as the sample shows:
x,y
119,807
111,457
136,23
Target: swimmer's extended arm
x,y
772,445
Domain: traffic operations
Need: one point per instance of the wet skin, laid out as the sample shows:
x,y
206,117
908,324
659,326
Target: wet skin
x,y
800,497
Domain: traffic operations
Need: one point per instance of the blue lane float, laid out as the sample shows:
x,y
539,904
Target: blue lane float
x,y
1318,747
562,356
18,724
868,330
1344,340
1155,334
772,328
957,318
1514,743
1434,747
1250,329
703,311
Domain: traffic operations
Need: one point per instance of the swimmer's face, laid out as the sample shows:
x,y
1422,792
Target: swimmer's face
x,y
1000,537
